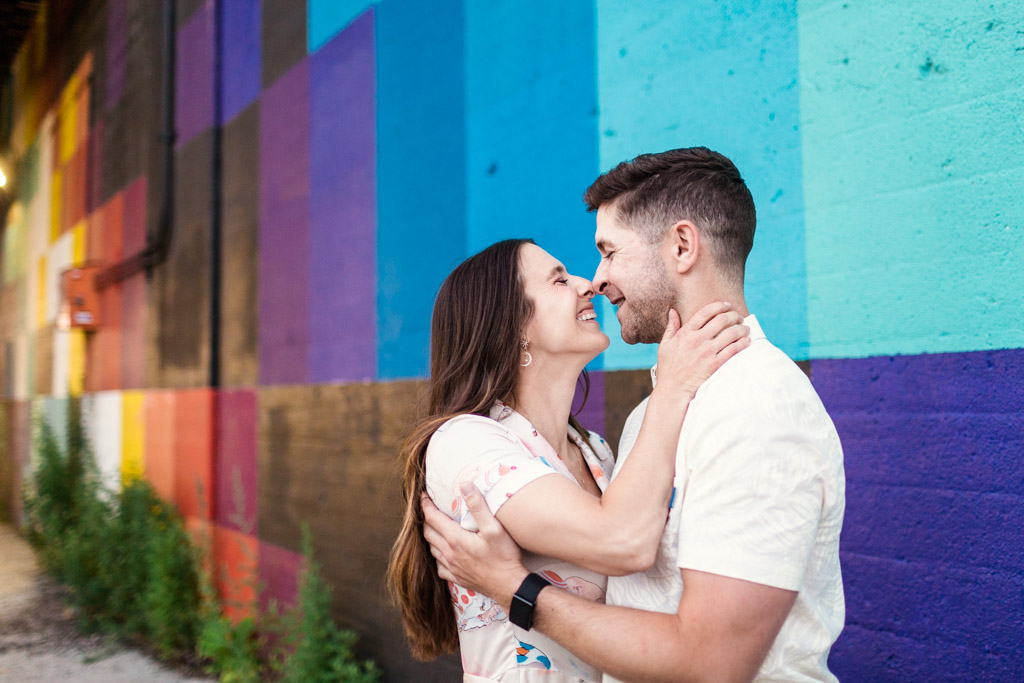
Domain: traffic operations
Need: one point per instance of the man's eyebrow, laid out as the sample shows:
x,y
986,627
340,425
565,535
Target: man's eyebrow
x,y
604,245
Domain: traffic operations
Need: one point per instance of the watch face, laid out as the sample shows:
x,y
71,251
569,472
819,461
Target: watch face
x,y
521,612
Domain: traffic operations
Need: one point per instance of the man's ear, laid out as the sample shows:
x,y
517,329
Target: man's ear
x,y
684,240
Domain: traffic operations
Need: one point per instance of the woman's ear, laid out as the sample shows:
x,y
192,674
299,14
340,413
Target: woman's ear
x,y
684,240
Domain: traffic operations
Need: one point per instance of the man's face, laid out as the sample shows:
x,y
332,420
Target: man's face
x,y
634,277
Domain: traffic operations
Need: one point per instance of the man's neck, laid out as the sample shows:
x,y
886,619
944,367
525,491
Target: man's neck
x,y
687,307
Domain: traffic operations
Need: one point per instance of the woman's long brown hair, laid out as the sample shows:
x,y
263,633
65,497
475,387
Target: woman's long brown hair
x,y
479,316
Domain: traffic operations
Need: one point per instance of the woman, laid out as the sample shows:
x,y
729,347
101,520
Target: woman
x,y
511,333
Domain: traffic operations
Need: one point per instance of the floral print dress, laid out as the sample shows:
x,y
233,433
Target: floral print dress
x,y
502,454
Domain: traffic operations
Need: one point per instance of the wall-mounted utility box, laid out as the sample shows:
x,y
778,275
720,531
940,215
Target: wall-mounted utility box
x,y
79,304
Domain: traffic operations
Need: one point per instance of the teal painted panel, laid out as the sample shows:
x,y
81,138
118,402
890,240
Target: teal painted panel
x,y
723,76
328,17
914,169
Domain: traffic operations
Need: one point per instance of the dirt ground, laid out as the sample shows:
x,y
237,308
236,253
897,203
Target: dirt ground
x,y
40,639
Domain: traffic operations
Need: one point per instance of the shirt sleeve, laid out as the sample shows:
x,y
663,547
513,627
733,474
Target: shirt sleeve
x,y
480,450
753,499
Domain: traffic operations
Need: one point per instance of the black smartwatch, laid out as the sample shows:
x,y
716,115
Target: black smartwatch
x,y
525,599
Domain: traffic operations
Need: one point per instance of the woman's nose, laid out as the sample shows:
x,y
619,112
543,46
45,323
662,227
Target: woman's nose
x,y
585,288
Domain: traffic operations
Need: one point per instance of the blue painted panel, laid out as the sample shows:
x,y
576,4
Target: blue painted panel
x,y
241,69
420,173
934,506
531,126
723,76
912,156
327,17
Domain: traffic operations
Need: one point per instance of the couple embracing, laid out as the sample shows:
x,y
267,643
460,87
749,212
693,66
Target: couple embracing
x,y
709,549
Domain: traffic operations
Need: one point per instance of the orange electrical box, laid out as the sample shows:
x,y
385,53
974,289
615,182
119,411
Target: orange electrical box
x,y
79,305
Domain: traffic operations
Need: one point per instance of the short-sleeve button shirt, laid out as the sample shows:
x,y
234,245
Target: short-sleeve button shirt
x,y
759,496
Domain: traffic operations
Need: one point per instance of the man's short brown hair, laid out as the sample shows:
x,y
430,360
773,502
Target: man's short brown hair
x,y
655,191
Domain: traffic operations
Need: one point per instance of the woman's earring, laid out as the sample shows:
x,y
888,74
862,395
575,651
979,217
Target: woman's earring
x,y
527,358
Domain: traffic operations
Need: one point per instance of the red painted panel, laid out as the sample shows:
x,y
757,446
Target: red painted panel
x,y
159,439
193,452
236,561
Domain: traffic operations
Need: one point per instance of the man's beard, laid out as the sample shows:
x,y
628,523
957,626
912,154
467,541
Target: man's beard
x,y
648,306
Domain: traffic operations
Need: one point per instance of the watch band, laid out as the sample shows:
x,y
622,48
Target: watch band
x,y
521,611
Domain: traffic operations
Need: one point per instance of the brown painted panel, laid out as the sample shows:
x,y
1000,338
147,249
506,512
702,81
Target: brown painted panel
x,y
7,471
328,455
623,390
240,226
177,327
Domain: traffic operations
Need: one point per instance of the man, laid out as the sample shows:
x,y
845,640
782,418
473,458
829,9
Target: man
x,y
753,528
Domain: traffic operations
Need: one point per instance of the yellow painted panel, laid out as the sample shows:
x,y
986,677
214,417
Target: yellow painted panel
x,y
78,243
55,196
68,123
41,293
132,433
76,368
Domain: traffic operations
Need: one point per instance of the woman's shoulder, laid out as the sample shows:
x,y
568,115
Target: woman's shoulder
x,y
470,432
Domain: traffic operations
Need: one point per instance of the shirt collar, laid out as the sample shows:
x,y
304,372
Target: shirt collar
x,y
755,333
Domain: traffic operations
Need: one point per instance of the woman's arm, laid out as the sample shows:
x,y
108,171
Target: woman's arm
x,y
618,533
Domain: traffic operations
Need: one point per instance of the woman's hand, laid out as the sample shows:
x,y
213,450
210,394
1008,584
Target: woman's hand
x,y
691,353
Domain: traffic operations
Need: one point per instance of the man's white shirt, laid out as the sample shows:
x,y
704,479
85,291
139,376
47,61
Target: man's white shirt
x,y
759,496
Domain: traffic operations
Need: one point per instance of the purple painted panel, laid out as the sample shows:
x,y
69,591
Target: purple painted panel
x,y
279,575
193,93
117,50
237,480
284,228
592,415
933,562
240,61
343,210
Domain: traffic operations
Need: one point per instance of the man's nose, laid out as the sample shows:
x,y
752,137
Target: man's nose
x,y
600,278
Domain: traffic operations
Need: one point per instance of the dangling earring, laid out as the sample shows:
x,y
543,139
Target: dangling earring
x,y
527,358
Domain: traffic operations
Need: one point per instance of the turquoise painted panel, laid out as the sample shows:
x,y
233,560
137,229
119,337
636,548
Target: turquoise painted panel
x,y
721,75
913,154
531,126
421,201
327,17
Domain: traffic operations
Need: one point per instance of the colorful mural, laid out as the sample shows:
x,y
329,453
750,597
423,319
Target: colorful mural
x,y
346,155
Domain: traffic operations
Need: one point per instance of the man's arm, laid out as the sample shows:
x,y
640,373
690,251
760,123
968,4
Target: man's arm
x,y
722,630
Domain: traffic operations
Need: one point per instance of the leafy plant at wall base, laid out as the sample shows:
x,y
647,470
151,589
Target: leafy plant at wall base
x,y
323,652
233,649
171,599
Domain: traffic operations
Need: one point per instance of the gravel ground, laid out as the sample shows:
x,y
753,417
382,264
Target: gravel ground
x,y
39,636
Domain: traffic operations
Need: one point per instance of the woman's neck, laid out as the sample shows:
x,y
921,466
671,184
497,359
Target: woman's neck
x,y
545,399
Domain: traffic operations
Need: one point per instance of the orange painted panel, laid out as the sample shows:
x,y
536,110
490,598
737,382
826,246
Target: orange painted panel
x,y
159,441
193,452
236,562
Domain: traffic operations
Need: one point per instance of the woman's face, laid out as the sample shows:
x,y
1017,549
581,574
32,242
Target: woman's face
x,y
564,322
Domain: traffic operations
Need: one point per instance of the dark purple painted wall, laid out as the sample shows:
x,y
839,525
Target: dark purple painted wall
x,y
932,551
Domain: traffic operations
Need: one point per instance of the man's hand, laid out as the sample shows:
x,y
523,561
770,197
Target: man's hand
x,y
487,562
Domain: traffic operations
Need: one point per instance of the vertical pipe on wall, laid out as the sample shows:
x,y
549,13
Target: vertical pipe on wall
x,y
215,194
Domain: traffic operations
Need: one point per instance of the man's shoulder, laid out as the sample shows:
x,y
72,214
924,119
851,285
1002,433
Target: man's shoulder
x,y
762,372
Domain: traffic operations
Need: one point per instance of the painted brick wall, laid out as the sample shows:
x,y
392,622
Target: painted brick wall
x,y
368,147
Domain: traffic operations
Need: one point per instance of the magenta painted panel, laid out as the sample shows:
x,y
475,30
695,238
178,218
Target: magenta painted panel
x,y
133,290
279,575
236,464
94,178
284,229
343,209
193,100
592,415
